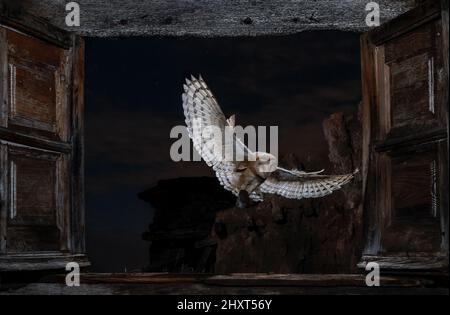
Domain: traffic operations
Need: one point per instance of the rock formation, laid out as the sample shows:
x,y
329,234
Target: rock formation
x,y
198,229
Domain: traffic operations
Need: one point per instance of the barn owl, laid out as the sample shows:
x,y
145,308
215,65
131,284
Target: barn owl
x,y
259,172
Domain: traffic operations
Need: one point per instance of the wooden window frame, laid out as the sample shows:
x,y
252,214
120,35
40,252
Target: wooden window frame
x,y
75,144
377,147
69,150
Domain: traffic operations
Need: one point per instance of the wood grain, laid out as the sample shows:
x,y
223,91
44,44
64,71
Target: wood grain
x,y
213,18
33,226
21,137
36,87
78,225
20,20
32,239
33,97
411,44
403,64
412,185
39,261
423,13
443,161
231,284
41,94
392,263
34,177
413,83
3,196
3,78
24,47
370,129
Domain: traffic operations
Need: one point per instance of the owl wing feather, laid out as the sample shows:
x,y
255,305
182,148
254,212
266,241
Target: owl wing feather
x,y
296,184
201,111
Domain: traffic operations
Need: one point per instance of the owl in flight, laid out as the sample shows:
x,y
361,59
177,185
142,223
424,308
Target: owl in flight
x,y
258,172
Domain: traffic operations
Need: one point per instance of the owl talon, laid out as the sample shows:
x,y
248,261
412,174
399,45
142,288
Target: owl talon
x,y
243,199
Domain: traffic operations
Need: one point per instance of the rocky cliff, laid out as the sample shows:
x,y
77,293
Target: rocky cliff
x,y
197,228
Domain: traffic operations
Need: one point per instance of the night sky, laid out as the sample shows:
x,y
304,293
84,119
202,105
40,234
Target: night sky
x,y
133,99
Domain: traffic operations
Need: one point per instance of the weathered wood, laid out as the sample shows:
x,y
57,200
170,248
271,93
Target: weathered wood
x,y
34,173
240,279
256,284
12,15
443,193
78,225
410,171
438,263
37,87
3,196
382,78
368,126
410,44
403,102
8,135
409,91
148,278
39,223
39,145
19,104
412,68
45,261
62,203
212,18
423,13
32,239
445,99
3,78
317,280
201,289
409,141
407,201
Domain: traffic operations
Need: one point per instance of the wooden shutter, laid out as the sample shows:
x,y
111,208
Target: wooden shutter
x,y
41,145
405,97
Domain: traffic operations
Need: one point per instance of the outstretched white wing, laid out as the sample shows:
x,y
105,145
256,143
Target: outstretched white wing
x,y
203,114
297,185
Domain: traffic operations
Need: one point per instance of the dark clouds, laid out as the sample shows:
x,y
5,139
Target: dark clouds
x,y
133,99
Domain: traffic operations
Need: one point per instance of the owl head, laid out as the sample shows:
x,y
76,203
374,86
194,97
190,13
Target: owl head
x,y
265,163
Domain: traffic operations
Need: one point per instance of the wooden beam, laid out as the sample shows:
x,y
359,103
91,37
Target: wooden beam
x,y
33,262
242,279
213,18
20,20
252,284
3,197
27,140
438,263
78,218
424,13
445,53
